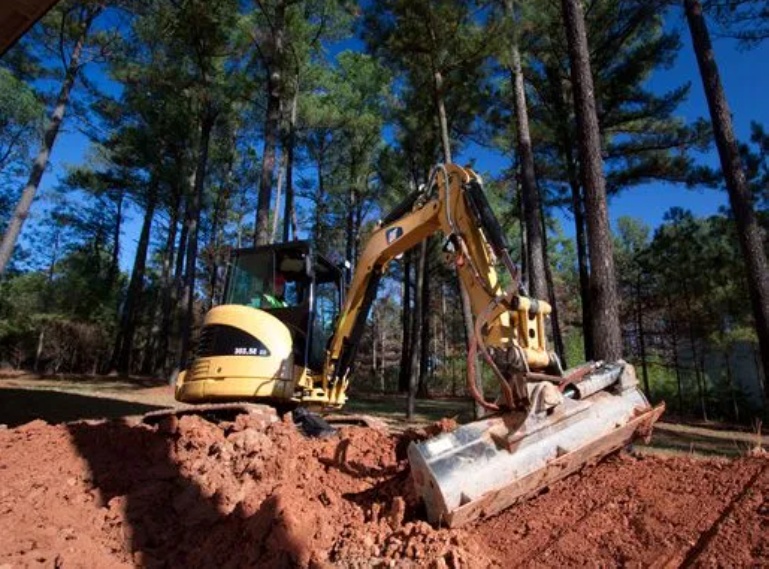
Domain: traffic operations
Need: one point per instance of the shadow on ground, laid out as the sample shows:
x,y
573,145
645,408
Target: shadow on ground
x,y
19,406
167,520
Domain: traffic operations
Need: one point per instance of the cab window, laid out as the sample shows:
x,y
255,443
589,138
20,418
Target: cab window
x,y
326,311
268,280
251,276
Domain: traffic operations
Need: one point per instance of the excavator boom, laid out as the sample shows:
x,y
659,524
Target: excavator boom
x,y
454,205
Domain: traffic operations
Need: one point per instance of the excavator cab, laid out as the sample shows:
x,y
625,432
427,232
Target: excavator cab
x,y
301,289
267,340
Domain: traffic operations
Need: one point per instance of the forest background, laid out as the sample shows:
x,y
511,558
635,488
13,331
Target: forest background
x,y
156,135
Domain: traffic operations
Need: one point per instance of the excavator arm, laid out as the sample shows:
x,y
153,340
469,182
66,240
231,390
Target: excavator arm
x,y
546,423
510,328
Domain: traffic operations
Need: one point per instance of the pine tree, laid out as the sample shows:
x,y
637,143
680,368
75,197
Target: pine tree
x,y
740,199
607,336
69,27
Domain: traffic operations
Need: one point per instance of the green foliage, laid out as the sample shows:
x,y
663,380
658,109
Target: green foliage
x,y
745,20
574,346
643,139
418,40
342,120
755,159
70,306
685,291
21,117
21,300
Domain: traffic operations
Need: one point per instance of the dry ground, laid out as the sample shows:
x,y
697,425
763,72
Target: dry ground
x,y
193,494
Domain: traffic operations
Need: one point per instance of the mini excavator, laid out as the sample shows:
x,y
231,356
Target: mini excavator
x,y
280,338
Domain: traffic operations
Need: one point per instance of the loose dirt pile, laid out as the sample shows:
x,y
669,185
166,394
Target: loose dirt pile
x,y
190,493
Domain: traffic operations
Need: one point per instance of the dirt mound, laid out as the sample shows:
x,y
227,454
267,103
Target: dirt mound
x,y
189,493
196,494
642,511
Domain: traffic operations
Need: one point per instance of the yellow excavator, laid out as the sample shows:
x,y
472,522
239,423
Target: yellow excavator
x,y
288,330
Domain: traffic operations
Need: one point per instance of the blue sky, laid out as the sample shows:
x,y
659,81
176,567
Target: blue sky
x,y
745,75
746,82
745,78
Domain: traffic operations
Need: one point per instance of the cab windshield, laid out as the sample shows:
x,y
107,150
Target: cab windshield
x,y
267,279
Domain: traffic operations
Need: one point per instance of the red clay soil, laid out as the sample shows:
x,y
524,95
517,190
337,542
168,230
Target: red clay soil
x,y
190,493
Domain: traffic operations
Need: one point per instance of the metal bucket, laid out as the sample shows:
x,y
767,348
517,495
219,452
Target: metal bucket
x,y
486,466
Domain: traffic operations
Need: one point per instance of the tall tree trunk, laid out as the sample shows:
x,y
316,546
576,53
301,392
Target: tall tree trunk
x,y
320,196
124,345
47,297
278,195
424,353
555,319
699,372
177,290
271,125
222,205
39,350
748,228
49,138
416,331
374,337
530,191
193,221
445,341
358,223
406,316
607,335
262,234
289,215
674,345
566,147
114,266
732,387
164,310
382,357
349,231
641,335
181,251
759,365
443,122
524,239
584,270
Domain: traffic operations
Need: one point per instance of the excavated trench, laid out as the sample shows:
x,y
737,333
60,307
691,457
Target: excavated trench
x,y
190,493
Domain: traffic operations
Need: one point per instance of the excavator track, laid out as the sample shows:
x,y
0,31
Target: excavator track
x,y
228,411
214,411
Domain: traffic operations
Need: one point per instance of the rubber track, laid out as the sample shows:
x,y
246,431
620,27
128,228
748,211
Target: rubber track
x,y
155,416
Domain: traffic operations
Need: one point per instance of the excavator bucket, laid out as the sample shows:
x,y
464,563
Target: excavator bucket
x,y
486,466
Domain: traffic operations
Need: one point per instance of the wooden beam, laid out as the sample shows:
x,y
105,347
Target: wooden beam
x,y
17,16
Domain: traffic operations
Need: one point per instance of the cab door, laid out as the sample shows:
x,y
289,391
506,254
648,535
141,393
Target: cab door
x,y
326,301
